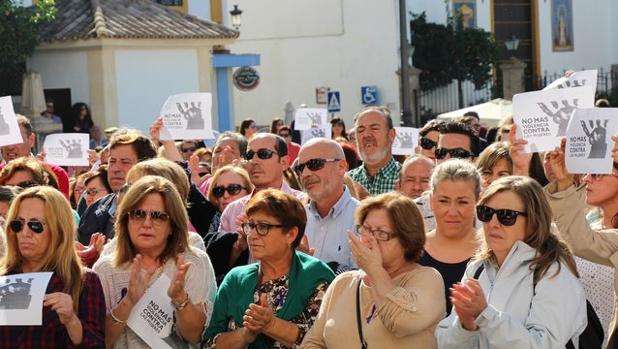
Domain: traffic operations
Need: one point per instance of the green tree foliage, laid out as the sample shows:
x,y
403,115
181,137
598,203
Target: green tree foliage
x,y
19,30
450,52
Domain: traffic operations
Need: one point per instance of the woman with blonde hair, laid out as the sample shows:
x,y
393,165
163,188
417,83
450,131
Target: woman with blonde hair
x,y
391,302
40,232
151,233
522,289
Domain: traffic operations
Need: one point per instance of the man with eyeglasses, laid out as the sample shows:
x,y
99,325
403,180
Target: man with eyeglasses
x,y
266,160
457,140
374,138
330,211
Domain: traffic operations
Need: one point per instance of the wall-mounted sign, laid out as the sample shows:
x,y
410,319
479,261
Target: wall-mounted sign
x,y
246,78
320,95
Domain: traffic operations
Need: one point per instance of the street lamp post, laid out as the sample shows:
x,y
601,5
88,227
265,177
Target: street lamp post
x,y
406,112
235,13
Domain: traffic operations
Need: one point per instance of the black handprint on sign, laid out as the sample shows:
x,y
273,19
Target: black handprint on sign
x,y
316,119
73,148
561,115
317,132
193,114
4,127
405,140
597,138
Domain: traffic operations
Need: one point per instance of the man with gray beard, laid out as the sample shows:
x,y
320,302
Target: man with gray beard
x,y
374,139
330,211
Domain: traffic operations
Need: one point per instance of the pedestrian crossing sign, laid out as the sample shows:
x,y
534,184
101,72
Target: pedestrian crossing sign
x,y
334,102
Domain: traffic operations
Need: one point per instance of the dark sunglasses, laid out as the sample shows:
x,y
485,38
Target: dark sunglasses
x,y
232,189
313,165
262,153
157,217
505,216
427,143
186,150
17,225
27,184
284,135
458,153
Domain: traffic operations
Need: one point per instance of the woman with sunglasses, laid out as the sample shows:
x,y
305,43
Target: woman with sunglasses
x,y
272,303
151,234
39,238
452,237
27,172
522,289
391,302
248,128
428,138
228,184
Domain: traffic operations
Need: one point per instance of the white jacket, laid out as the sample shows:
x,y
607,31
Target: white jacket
x,y
519,315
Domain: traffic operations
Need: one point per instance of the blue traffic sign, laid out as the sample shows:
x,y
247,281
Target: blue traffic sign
x,y
334,102
369,95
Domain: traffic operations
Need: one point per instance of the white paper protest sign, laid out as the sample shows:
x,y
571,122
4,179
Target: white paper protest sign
x,y
67,149
306,118
586,78
152,318
405,141
542,116
9,129
187,116
323,131
21,298
588,140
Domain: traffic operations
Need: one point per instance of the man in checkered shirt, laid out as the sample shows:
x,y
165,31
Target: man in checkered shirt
x,y
374,139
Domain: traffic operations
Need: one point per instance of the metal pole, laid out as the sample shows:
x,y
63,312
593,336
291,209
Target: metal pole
x,y
406,112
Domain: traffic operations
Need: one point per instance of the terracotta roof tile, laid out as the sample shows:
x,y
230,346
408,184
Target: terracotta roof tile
x,y
130,19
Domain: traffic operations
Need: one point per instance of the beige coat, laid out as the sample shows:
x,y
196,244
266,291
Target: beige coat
x,y
598,246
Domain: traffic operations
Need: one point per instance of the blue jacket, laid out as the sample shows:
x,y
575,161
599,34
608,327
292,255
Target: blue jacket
x,y
518,314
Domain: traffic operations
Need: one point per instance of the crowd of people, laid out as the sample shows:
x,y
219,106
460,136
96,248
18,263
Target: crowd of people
x,y
470,242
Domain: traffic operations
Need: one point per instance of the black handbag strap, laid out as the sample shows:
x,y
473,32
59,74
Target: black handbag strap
x,y
359,324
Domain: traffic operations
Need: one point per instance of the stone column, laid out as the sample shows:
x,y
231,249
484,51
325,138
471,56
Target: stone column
x,y
512,77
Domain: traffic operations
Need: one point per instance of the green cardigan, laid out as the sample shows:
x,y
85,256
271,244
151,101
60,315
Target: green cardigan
x,y
237,289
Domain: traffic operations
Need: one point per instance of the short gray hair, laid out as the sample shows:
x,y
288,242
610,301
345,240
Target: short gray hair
x,y
236,137
456,170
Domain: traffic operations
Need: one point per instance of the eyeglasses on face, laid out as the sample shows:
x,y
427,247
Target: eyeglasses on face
x,y
262,153
284,135
188,150
156,217
313,165
17,225
378,234
505,216
427,143
458,153
27,184
232,189
95,191
261,228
